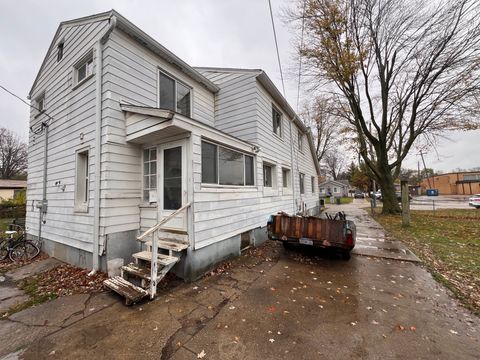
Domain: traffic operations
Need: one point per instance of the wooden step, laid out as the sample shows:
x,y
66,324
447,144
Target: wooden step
x,y
167,244
164,260
138,271
174,230
130,292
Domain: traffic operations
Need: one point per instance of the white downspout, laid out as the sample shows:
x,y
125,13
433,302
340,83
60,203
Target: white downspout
x,y
98,144
293,171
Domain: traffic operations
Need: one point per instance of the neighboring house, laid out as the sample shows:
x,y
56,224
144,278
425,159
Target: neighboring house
x,y
136,134
334,188
10,188
456,183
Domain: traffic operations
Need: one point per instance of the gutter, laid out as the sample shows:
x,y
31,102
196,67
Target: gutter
x,y
98,145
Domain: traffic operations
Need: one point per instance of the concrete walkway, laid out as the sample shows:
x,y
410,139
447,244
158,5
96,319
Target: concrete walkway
x,y
271,304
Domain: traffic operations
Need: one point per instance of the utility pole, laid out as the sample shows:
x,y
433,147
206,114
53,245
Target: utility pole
x,y
425,167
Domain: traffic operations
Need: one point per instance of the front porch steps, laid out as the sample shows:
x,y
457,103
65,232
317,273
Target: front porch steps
x,y
164,260
139,272
129,291
167,244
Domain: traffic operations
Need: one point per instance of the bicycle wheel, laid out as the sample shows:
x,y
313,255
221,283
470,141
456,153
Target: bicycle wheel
x,y
26,250
3,249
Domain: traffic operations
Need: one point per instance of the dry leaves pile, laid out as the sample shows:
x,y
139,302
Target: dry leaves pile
x,y
66,280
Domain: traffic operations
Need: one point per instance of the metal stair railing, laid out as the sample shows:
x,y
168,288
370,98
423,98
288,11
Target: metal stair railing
x,y
154,232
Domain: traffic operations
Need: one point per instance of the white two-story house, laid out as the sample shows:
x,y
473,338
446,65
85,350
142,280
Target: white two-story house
x,y
124,133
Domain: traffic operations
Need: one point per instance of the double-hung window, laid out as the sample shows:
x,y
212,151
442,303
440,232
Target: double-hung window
x,y
267,175
82,182
300,141
224,166
285,178
84,68
302,183
150,175
173,95
277,121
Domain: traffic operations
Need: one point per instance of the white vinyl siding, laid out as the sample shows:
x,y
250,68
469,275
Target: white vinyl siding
x,y
73,129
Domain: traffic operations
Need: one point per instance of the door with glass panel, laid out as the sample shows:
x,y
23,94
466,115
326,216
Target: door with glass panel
x,y
172,187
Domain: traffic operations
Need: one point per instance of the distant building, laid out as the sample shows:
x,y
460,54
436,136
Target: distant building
x,y
337,188
455,183
9,188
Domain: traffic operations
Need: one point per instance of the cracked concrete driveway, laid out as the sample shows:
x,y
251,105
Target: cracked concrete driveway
x,y
271,304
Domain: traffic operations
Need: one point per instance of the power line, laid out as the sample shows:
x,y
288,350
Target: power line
x,y
300,55
276,46
38,131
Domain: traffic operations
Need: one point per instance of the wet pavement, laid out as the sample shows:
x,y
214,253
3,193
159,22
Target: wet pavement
x,y
270,304
371,237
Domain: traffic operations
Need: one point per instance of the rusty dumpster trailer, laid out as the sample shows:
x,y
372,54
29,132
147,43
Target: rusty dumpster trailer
x,y
335,232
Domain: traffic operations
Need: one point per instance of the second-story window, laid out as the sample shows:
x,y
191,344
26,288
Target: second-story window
x,y
40,103
277,121
300,141
60,51
173,95
84,68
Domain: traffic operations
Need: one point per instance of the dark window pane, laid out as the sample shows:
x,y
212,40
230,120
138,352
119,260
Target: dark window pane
x,y
267,176
183,99
82,72
167,92
230,167
172,178
285,178
249,173
145,155
302,183
209,163
277,121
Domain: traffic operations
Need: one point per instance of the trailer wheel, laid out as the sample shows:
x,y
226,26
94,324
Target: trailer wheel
x,y
346,255
287,245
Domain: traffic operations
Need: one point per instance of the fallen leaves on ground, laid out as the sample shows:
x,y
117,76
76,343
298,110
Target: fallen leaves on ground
x,y
449,243
66,280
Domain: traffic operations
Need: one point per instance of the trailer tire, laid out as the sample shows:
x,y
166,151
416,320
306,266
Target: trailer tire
x,y
287,245
346,255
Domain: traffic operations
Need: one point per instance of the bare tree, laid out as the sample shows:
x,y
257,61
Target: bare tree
x,y
319,117
13,155
335,162
402,71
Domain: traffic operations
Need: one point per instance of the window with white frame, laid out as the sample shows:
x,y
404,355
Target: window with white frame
x,y
82,181
302,183
150,175
335,190
300,141
84,68
286,178
60,47
268,175
313,184
224,166
40,103
173,95
322,190
277,121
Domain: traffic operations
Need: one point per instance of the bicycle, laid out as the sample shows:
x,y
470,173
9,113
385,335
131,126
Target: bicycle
x,y
16,247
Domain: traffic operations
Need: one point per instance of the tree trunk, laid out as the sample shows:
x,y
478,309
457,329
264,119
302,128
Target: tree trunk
x,y
389,198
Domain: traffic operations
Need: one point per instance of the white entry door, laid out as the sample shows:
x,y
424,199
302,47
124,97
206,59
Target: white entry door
x,y
172,176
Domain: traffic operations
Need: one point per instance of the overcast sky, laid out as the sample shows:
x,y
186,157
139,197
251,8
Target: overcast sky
x,y
224,33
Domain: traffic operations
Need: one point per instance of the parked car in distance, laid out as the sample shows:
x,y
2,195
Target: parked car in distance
x,y
378,195
359,195
474,201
